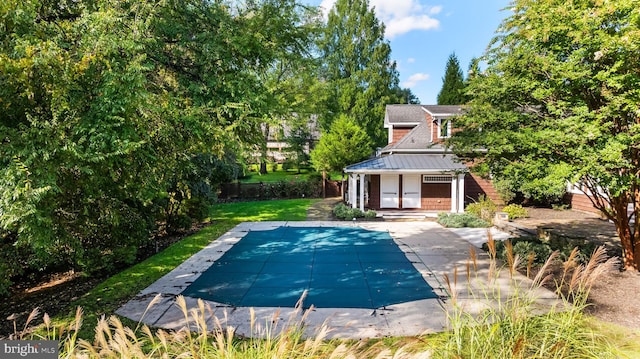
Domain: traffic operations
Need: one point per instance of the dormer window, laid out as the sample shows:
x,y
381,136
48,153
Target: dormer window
x,y
444,128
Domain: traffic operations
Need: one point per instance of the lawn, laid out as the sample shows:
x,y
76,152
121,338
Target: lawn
x,y
285,175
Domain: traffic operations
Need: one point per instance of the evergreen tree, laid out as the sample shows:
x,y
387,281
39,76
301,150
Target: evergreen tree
x,y
452,92
405,95
360,75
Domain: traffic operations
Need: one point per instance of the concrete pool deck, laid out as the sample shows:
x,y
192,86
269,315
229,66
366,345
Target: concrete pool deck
x,y
432,249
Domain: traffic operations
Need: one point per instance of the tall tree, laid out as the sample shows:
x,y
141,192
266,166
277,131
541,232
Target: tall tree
x,y
452,92
112,110
559,103
344,144
360,74
405,95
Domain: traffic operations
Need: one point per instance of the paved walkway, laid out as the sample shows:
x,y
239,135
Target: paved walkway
x,y
322,210
433,250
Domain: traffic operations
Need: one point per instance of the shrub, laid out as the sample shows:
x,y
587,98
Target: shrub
x,y
484,208
460,220
515,211
542,249
369,214
344,212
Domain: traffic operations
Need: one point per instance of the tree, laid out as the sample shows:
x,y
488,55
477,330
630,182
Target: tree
x,y
113,112
559,103
344,144
360,75
299,140
405,95
452,92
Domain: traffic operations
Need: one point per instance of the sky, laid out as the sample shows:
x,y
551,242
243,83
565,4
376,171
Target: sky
x,y
423,33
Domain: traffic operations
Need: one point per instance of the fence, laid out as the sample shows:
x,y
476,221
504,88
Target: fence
x,y
282,189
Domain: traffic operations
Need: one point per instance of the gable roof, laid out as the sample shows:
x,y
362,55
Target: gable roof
x,y
403,115
408,114
443,110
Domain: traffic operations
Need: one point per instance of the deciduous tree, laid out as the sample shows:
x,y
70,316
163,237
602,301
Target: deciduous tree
x,y
559,103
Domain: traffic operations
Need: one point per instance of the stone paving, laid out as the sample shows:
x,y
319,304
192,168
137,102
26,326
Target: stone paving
x,y
434,251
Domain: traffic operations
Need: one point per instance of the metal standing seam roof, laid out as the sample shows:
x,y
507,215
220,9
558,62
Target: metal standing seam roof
x,y
409,163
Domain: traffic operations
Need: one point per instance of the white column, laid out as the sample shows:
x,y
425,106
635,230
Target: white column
x,y
454,194
362,176
461,192
353,190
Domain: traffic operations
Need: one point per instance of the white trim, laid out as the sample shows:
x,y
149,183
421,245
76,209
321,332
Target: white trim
x,y
454,194
362,177
461,193
429,178
449,125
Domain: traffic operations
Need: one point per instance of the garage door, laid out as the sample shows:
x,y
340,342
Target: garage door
x,y
411,191
389,186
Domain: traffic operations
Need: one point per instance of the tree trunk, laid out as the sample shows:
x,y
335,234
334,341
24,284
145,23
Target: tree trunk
x,y
342,187
629,236
324,184
263,150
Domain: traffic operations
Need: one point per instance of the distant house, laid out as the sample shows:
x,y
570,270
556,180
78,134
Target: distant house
x,y
277,145
415,171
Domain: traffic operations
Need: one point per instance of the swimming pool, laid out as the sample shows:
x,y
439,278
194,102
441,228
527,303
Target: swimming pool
x,y
339,267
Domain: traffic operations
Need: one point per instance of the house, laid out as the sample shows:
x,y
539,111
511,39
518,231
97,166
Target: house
x,y
415,171
276,135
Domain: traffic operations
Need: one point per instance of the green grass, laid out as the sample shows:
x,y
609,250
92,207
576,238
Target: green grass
x,y
282,175
109,295
277,210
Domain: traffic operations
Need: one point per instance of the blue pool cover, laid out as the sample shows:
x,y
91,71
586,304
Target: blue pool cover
x,y
340,267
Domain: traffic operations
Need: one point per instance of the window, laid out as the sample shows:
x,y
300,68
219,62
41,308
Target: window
x,y
436,179
444,128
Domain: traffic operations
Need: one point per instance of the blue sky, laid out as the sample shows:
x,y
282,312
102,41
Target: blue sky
x,y
423,33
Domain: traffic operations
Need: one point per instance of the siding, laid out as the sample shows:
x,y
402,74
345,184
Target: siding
x,y
580,202
399,133
474,186
436,197
374,192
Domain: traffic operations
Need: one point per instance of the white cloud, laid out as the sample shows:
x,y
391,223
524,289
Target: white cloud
x,y
326,6
414,79
411,60
400,16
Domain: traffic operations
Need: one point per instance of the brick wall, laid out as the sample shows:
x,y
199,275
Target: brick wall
x,y
580,202
399,133
436,197
474,186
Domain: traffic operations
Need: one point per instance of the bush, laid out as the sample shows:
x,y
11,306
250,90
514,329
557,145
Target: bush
x,y
515,211
460,220
344,212
484,208
542,249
